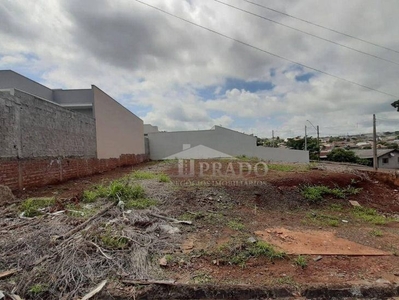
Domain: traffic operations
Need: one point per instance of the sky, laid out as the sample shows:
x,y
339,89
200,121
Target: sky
x,y
181,77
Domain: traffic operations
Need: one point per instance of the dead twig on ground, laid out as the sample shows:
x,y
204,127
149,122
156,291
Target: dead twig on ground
x,y
84,224
99,249
8,273
95,291
171,219
148,282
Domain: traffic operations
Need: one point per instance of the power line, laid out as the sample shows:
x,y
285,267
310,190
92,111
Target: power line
x,y
307,33
321,26
265,51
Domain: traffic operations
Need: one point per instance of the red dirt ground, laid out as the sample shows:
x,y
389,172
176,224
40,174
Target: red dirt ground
x,y
276,203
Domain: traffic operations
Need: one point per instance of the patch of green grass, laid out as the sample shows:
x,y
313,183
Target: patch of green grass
x,y
336,207
202,278
235,225
111,241
31,206
247,158
214,218
316,193
333,223
238,252
285,280
140,203
369,215
301,261
143,175
376,233
38,289
282,168
320,219
116,189
164,178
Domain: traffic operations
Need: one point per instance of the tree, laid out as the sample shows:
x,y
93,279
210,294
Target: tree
x,y
396,104
299,144
342,155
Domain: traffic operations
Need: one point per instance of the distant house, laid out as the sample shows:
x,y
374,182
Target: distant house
x,y
387,158
363,144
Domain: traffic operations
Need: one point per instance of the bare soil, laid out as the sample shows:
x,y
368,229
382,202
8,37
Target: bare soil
x,y
228,215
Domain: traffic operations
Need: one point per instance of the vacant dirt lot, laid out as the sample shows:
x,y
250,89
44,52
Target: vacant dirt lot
x,y
246,230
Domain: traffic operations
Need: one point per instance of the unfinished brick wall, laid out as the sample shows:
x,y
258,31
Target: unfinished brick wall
x,y
25,173
33,127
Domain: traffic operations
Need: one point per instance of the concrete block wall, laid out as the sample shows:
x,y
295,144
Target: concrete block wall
x,y
26,173
33,127
165,144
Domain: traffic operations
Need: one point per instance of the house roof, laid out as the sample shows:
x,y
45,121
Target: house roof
x,y
368,153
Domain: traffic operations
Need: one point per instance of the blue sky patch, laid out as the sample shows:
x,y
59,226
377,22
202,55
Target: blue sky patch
x,y
210,92
304,77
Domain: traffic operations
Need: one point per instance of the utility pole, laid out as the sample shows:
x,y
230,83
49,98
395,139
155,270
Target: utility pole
x,y
273,138
375,159
318,143
306,140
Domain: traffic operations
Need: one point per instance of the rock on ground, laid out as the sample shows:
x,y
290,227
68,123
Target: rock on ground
x,y
5,194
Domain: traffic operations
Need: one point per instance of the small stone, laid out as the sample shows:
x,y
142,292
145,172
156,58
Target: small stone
x,y
252,240
382,281
354,203
215,262
396,273
345,221
169,229
5,194
163,262
318,258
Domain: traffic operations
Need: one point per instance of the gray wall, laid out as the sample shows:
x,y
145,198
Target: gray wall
x,y
164,144
149,128
9,80
32,127
393,162
79,96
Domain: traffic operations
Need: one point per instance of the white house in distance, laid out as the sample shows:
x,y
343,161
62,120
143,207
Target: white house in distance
x,y
387,158
216,143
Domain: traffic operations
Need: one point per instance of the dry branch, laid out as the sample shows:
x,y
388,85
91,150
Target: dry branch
x,y
99,249
148,282
171,219
95,291
84,224
8,273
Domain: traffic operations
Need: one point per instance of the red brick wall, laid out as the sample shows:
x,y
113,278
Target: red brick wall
x,y
25,173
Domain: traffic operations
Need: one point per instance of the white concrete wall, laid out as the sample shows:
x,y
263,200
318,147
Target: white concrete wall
x,y
118,130
166,144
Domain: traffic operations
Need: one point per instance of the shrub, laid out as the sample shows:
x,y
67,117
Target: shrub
x,y
31,206
301,261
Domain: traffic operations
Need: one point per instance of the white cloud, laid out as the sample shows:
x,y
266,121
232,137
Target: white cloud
x,y
145,58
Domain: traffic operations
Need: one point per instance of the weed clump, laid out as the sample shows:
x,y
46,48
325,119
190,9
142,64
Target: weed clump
x,y
31,207
240,253
235,225
369,215
163,178
316,193
118,189
301,261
